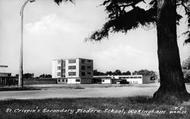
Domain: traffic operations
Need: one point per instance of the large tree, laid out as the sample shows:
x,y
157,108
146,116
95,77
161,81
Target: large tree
x,y
124,15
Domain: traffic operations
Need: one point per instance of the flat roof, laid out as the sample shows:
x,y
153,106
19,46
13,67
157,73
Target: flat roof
x,y
3,74
118,76
71,59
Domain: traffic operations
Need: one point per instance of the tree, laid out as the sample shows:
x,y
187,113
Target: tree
x,y
163,14
124,15
117,72
28,75
126,73
146,72
97,73
109,73
45,76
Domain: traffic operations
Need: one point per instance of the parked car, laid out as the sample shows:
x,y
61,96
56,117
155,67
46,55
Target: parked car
x,y
124,82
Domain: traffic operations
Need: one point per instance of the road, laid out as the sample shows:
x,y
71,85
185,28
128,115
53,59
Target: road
x,y
58,92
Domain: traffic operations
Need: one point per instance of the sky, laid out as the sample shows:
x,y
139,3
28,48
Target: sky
x,y
53,32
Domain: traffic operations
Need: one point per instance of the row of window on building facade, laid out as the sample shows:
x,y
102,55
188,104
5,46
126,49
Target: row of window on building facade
x,y
74,73
74,67
74,61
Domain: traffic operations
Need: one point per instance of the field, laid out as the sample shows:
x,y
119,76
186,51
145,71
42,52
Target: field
x,y
92,108
89,102
80,91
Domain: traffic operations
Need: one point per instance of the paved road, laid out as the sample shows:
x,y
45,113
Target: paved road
x,y
57,92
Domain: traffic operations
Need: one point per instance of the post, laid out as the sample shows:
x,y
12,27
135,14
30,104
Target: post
x,y
20,80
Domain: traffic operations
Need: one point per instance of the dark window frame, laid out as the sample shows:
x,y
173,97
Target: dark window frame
x,y
83,73
72,67
58,67
71,61
77,80
83,67
72,73
58,73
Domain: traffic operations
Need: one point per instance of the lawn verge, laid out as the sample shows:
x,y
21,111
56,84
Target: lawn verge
x,y
92,108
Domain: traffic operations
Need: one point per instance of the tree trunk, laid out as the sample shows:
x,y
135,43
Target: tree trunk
x,y
171,77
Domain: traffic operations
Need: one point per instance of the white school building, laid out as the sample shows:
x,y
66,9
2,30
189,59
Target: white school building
x,y
132,79
73,71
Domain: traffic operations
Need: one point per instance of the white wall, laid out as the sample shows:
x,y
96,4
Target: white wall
x,y
67,70
72,81
106,81
132,79
54,69
135,81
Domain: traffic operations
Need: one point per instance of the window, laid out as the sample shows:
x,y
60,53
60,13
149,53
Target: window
x,y
58,73
72,73
89,73
89,67
72,67
72,61
59,67
77,80
83,73
59,61
89,61
83,61
83,67
63,63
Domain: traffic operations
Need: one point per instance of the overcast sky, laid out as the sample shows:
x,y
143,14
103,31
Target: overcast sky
x,y
52,32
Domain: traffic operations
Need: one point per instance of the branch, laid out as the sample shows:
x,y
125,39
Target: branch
x,y
59,1
187,10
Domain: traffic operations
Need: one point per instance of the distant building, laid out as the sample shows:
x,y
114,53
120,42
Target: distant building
x,y
106,79
72,71
131,79
5,77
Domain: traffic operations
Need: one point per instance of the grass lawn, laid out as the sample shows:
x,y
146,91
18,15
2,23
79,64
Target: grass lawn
x,y
14,88
92,108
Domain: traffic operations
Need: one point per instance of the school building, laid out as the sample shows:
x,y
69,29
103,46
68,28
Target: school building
x,y
73,71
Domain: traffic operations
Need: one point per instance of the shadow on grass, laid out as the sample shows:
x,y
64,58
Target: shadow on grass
x,y
18,88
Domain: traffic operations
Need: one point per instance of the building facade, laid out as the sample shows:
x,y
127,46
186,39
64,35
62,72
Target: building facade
x,y
6,79
73,71
131,79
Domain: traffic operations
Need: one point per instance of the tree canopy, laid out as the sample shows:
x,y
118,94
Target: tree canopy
x,y
124,15
45,76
